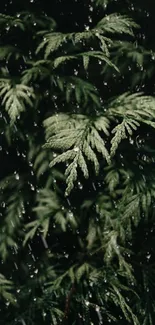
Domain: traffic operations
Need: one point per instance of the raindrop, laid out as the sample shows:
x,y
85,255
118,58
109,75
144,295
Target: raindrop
x,y
7,303
16,266
97,308
12,224
94,187
76,149
17,176
23,321
87,303
7,28
32,187
80,186
68,202
70,214
148,256
46,93
29,246
44,242
75,72
33,257
131,140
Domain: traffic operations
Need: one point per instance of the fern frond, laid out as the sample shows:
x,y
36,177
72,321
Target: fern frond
x,y
116,23
134,109
83,269
83,91
100,56
15,97
48,212
39,160
39,70
92,234
86,55
127,311
102,3
13,216
136,106
48,207
120,133
112,179
63,59
51,42
41,21
86,60
8,22
79,137
6,287
115,294
6,52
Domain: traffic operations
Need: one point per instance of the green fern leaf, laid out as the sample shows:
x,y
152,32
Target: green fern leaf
x,y
79,137
116,23
15,98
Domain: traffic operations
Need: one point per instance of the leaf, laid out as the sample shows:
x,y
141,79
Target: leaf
x,y
79,137
116,23
51,42
15,98
85,62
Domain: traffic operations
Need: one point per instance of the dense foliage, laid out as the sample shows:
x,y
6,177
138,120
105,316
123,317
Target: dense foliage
x,y
77,179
